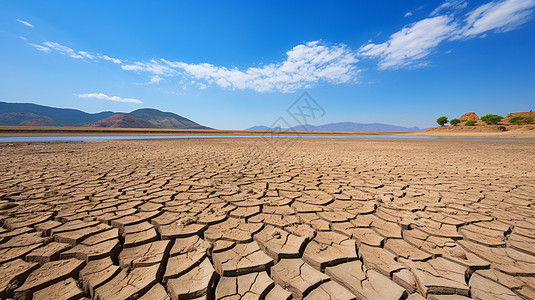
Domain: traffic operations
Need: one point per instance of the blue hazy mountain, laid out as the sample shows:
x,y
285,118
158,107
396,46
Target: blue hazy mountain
x,y
343,126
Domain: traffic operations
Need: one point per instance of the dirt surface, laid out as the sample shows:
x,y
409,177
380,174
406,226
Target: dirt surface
x,y
239,218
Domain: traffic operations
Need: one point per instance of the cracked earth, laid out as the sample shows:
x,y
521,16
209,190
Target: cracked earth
x,y
232,219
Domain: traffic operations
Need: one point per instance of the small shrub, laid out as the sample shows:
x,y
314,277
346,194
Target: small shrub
x,y
531,127
470,123
455,121
516,120
491,119
529,120
442,120
502,128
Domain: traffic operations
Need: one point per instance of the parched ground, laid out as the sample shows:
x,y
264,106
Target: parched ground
x,y
232,218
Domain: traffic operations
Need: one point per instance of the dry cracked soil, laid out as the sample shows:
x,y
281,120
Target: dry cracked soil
x,y
235,218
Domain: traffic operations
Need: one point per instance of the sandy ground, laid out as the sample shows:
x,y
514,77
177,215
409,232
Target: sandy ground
x,y
308,218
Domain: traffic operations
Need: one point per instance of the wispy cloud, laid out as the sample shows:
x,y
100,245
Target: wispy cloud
x,y
65,50
449,6
40,47
25,23
500,16
86,54
153,80
409,47
102,96
153,66
114,60
408,14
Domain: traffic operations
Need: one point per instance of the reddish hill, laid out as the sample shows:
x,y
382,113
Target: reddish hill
x,y
525,114
25,119
470,116
122,121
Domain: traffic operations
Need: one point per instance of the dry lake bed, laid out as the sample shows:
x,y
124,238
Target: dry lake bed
x,y
239,218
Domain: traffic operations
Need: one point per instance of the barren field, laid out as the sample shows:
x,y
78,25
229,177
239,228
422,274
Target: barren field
x,y
235,218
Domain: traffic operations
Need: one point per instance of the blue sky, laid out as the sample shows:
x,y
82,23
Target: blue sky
x,y
235,64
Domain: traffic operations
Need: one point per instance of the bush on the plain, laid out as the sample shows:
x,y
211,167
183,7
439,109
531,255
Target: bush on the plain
x,y
516,120
442,120
470,123
491,119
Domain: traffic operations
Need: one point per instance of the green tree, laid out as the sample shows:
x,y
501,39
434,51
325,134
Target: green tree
x,y
491,119
516,120
455,121
470,123
442,120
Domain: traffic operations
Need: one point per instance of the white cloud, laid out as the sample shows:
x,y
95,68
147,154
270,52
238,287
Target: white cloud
x,y
25,23
63,49
40,47
500,16
114,60
306,65
449,6
86,54
102,96
408,14
153,66
154,79
407,47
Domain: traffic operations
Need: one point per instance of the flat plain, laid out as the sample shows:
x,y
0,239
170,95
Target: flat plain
x,y
236,218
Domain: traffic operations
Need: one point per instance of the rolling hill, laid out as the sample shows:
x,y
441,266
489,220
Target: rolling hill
x,y
123,121
161,119
29,114
13,114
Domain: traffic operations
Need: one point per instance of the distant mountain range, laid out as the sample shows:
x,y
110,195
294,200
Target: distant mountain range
x,y
344,126
28,114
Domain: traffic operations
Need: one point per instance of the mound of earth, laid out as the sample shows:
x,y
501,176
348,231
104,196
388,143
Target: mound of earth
x,y
123,121
470,116
525,114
